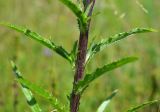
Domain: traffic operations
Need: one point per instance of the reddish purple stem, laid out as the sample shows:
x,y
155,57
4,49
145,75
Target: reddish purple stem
x,y
80,62
81,56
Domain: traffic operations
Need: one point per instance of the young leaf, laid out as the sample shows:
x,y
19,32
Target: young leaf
x,y
73,7
104,104
28,94
73,53
38,90
105,42
100,71
77,11
134,109
58,49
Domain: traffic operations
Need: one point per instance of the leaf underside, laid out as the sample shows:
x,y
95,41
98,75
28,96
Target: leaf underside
x,y
105,103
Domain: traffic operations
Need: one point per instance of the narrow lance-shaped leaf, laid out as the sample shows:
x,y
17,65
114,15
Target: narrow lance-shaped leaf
x,y
58,49
73,7
28,94
105,42
104,104
73,53
43,93
134,109
76,10
100,71
39,90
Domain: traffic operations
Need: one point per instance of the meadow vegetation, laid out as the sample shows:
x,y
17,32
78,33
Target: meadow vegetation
x,y
137,82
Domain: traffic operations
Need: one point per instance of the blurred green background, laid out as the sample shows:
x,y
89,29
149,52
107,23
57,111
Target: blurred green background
x,y
137,82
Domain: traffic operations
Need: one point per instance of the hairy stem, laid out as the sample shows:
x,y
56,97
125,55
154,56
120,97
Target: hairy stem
x,y
80,62
81,57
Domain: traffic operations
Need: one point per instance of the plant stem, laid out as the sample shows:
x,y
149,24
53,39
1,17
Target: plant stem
x,y
81,58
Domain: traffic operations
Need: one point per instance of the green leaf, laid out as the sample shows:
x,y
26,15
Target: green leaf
x,y
28,94
134,109
58,49
39,90
73,53
82,84
104,104
106,42
73,7
82,17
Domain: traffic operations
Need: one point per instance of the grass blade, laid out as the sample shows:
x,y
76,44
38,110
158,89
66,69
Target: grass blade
x,y
100,71
105,42
38,90
104,104
58,49
28,94
134,109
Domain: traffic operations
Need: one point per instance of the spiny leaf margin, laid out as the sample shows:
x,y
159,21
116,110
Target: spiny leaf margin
x,y
81,16
58,49
82,84
73,7
95,48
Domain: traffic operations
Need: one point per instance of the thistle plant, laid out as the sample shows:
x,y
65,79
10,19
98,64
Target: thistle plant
x,y
80,55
